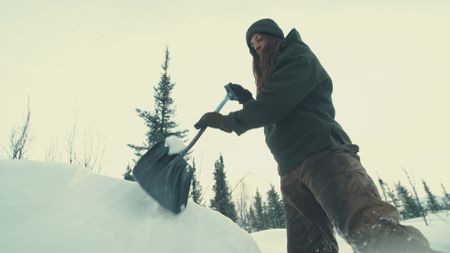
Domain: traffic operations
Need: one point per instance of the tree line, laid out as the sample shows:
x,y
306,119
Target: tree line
x,y
86,150
408,202
255,213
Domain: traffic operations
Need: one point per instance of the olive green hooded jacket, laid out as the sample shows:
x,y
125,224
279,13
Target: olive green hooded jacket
x,y
295,108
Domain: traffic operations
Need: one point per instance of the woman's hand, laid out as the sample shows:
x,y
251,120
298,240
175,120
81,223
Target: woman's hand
x,y
243,95
214,120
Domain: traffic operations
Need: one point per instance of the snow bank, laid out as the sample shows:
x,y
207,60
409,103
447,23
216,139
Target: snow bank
x,y
48,207
274,241
438,234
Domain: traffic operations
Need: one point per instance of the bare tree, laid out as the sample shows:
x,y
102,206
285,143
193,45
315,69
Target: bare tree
x,y
89,155
93,151
87,152
242,206
19,139
53,152
70,144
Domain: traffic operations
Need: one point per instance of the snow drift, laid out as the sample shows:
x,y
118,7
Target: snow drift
x,y
47,207
437,233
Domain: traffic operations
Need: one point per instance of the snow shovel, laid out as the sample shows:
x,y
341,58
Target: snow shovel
x,y
167,178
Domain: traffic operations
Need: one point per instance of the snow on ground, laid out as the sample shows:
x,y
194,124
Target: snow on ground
x,y
46,207
438,234
274,241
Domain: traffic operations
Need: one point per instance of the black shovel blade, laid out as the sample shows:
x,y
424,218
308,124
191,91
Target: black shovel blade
x,y
167,178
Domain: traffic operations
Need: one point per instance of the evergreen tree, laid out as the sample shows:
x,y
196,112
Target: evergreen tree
x,y
196,192
393,197
259,222
252,220
128,175
446,198
389,194
410,207
432,202
419,205
222,200
275,211
383,188
160,122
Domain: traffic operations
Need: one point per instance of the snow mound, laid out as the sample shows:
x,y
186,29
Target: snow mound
x,y
47,207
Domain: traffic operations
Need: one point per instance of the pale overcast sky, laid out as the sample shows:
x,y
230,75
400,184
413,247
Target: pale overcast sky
x,y
93,62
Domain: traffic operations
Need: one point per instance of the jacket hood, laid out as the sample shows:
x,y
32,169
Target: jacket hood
x,y
292,37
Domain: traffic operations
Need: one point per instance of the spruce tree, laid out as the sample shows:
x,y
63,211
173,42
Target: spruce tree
x,y
222,200
446,198
252,220
275,211
260,213
419,205
388,194
383,188
432,202
160,121
393,197
410,207
196,192
128,175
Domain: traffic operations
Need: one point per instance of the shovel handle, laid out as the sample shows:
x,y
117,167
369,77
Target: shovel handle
x,y
197,136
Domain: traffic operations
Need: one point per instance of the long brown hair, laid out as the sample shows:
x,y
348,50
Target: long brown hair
x,y
263,64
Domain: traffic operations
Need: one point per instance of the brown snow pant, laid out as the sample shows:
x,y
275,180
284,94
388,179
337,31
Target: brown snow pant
x,y
331,190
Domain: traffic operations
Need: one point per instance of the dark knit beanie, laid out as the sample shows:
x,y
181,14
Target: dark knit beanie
x,y
266,26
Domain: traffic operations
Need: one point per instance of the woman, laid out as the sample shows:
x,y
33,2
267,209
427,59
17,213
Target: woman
x,y
323,183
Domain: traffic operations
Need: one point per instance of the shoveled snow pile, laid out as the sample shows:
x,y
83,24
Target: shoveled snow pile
x,y
175,145
47,207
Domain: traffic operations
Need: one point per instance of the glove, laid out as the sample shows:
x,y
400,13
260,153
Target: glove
x,y
214,120
243,95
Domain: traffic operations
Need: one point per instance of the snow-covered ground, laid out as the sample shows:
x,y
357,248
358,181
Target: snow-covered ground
x,y
47,207
438,233
51,208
